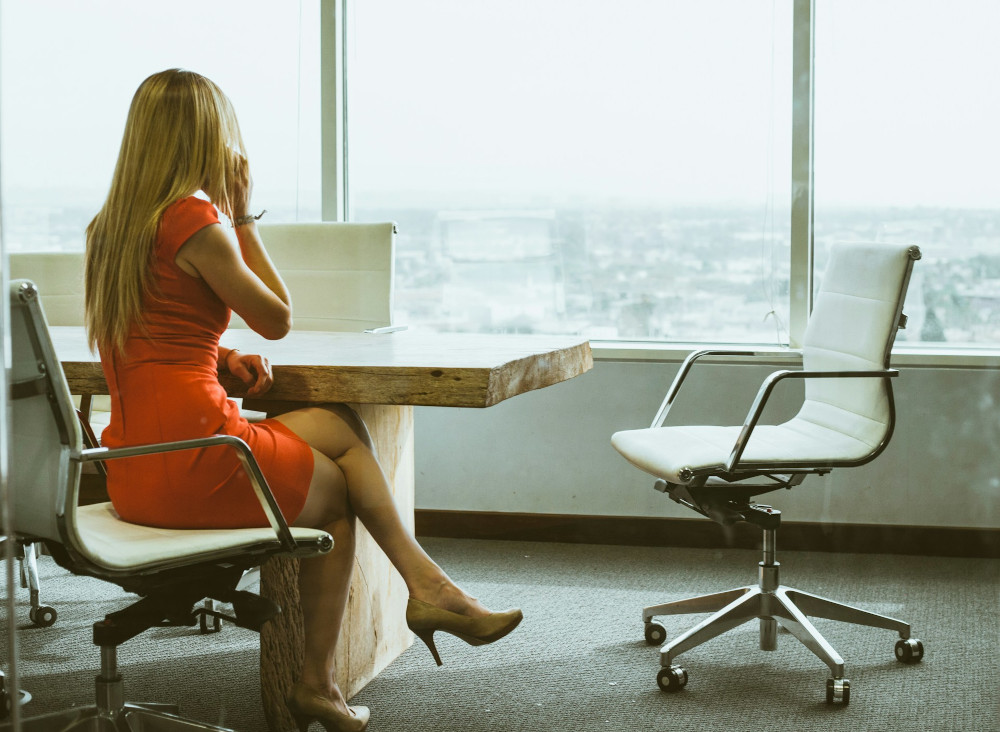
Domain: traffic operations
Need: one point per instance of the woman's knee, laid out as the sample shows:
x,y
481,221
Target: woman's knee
x,y
353,420
330,428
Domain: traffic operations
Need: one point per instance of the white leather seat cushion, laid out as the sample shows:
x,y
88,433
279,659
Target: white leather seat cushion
x,y
119,545
666,451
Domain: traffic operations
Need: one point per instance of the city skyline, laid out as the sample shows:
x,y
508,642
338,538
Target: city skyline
x,y
682,274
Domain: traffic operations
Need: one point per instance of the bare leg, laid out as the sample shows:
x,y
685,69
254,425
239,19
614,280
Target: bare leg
x,y
347,482
339,434
324,582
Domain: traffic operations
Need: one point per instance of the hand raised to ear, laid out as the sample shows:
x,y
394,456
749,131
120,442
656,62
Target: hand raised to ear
x,y
240,184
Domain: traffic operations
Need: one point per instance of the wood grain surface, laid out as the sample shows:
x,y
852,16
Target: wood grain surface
x,y
409,367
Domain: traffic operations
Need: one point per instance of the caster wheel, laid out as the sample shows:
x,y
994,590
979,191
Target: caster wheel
x,y
42,616
909,650
838,691
6,701
656,634
672,678
203,623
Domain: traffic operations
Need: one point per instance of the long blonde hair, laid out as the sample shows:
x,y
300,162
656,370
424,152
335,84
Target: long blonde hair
x,y
181,136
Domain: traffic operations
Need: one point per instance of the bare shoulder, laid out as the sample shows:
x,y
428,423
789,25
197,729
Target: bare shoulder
x,y
209,248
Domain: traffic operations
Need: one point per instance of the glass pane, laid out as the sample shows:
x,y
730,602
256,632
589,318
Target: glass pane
x,y
572,167
66,94
907,111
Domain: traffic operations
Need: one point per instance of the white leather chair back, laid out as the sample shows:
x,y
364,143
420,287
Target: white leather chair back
x,y
44,430
58,277
340,275
853,325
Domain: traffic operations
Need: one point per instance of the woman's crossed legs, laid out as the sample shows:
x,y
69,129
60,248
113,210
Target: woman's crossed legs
x,y
348,483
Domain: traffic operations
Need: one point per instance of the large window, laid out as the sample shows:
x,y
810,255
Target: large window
x,y
573,167
907,149
560,166
69,70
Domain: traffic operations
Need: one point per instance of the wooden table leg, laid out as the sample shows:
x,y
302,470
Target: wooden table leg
x,y
374,630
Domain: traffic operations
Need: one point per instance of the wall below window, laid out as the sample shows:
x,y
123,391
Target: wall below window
x,y
549,451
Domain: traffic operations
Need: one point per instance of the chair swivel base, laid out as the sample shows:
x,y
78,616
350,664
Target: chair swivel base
x,y
774,605
127,718
111,713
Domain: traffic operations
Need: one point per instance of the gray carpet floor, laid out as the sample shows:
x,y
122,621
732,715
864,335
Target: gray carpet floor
x,y
579,662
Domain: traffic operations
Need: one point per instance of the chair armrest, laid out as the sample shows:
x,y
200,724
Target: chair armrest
x,y
243,452
90,439
757,408
675,386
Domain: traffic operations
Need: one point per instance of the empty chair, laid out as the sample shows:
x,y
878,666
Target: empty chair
x,y
846,419
171,570
340,275
59,275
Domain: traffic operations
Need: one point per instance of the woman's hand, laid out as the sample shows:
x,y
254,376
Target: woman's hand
x,y
240,186
251,369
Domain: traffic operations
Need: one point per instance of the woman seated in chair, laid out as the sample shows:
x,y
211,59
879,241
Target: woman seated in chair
x,y
162,276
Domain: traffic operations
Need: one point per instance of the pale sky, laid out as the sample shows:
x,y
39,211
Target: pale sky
x,y
676,102
69,70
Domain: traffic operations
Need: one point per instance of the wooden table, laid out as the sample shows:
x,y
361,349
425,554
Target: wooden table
x,y
382,377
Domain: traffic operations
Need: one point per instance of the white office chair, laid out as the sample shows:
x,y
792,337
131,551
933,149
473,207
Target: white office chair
x,y
845,420
340,276
59,277
171,570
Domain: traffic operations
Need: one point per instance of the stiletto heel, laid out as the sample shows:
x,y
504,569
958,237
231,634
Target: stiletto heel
x,y
427,636
307,705
424,619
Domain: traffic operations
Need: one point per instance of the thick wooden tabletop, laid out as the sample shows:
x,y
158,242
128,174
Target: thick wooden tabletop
x,y
407,367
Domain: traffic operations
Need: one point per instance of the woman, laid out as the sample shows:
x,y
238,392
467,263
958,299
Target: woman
x,y
162,276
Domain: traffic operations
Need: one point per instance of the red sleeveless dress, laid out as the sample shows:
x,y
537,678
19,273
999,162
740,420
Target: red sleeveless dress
x,y
166,387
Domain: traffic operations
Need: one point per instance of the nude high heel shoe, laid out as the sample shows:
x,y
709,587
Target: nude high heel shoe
x,y
307,705
424,619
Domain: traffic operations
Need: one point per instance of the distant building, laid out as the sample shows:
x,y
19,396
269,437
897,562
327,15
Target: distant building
x,y
503,270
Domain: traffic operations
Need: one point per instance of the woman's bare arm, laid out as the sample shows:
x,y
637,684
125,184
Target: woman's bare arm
x,y
243,277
